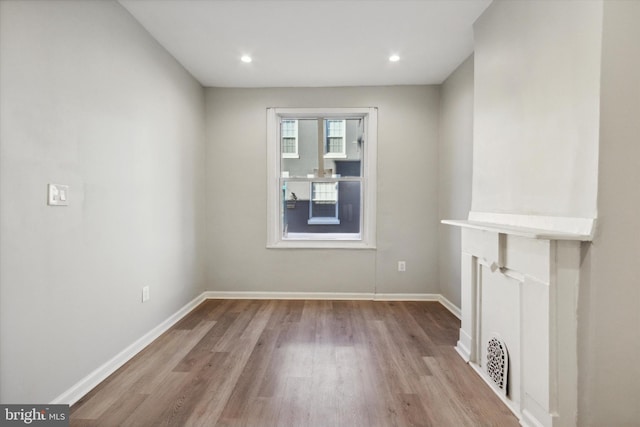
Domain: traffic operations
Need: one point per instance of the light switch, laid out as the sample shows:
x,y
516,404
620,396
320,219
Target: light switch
x,y
58,195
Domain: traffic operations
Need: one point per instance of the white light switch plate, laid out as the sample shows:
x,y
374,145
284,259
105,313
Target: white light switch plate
x,y
58,195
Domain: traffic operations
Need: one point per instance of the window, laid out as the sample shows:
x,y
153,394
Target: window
x,y
289,139
323,208
321,177
335,134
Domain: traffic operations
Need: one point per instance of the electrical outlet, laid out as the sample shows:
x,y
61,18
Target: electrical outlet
x,y
57,195
402,266
145,294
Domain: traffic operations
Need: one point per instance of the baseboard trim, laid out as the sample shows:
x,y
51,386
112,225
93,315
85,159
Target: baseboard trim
x,y
339,296
406,297
289,295
528,420
510,404
85,385
462,352
463,347
450,306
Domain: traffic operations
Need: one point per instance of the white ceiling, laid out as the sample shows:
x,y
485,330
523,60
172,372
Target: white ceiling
x,y
313,42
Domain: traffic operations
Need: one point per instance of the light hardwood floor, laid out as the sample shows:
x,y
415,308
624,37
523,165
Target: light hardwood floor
x,y
299,363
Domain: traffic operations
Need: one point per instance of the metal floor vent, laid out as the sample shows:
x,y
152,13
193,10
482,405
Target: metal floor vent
x,y
498,363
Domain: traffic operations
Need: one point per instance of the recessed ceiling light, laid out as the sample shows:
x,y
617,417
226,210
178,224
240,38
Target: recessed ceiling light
x,y
394,58
246,58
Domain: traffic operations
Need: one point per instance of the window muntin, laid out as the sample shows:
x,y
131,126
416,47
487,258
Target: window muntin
x,y
319,200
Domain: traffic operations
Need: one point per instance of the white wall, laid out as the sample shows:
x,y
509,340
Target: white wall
x,y
609,312
537,82
407,214
455,158
89,99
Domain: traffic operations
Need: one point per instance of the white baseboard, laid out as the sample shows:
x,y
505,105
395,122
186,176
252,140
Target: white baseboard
x,y
509,403
85,385
463,347
406,297
528,420
463,351
289,295
339,296
355,296
450,306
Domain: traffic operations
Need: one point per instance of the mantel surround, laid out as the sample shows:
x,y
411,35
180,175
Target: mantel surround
x,y
520,278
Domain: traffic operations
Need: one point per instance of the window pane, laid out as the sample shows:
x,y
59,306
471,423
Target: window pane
x,y
289,135
335,134
306,163
335,144
288,145
350,164
324,203
289,128
321,207
325,192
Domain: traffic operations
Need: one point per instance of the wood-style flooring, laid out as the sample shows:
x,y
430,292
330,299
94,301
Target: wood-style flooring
x,y
299,363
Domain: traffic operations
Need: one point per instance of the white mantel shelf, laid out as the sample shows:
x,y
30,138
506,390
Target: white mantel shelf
x,y
531,233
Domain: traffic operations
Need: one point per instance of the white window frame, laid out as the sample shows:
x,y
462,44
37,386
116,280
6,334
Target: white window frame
x,y
295,154
342,154
366,239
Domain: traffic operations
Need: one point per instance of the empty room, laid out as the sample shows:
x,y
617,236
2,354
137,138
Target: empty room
x,y
319,213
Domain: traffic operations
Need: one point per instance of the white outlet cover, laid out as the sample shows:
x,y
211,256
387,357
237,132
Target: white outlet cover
x,y
57,195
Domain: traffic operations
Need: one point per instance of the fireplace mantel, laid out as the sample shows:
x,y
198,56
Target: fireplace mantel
x,y
520,278
531,233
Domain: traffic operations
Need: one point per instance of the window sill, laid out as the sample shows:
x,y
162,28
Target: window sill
x,y
290,156
323,221
311,241
335,156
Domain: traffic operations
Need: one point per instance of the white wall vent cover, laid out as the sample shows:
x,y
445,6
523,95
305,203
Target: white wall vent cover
x,y
498,363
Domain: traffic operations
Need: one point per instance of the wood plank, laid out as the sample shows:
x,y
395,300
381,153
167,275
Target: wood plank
x,y
299,363
142,373
207,410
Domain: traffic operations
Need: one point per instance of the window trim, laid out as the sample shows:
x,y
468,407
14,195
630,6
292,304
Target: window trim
x,y
367,238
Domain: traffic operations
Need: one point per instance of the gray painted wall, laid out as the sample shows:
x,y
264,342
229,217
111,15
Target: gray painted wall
x,y
89,99
609,314
536,116
407,212
455,157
